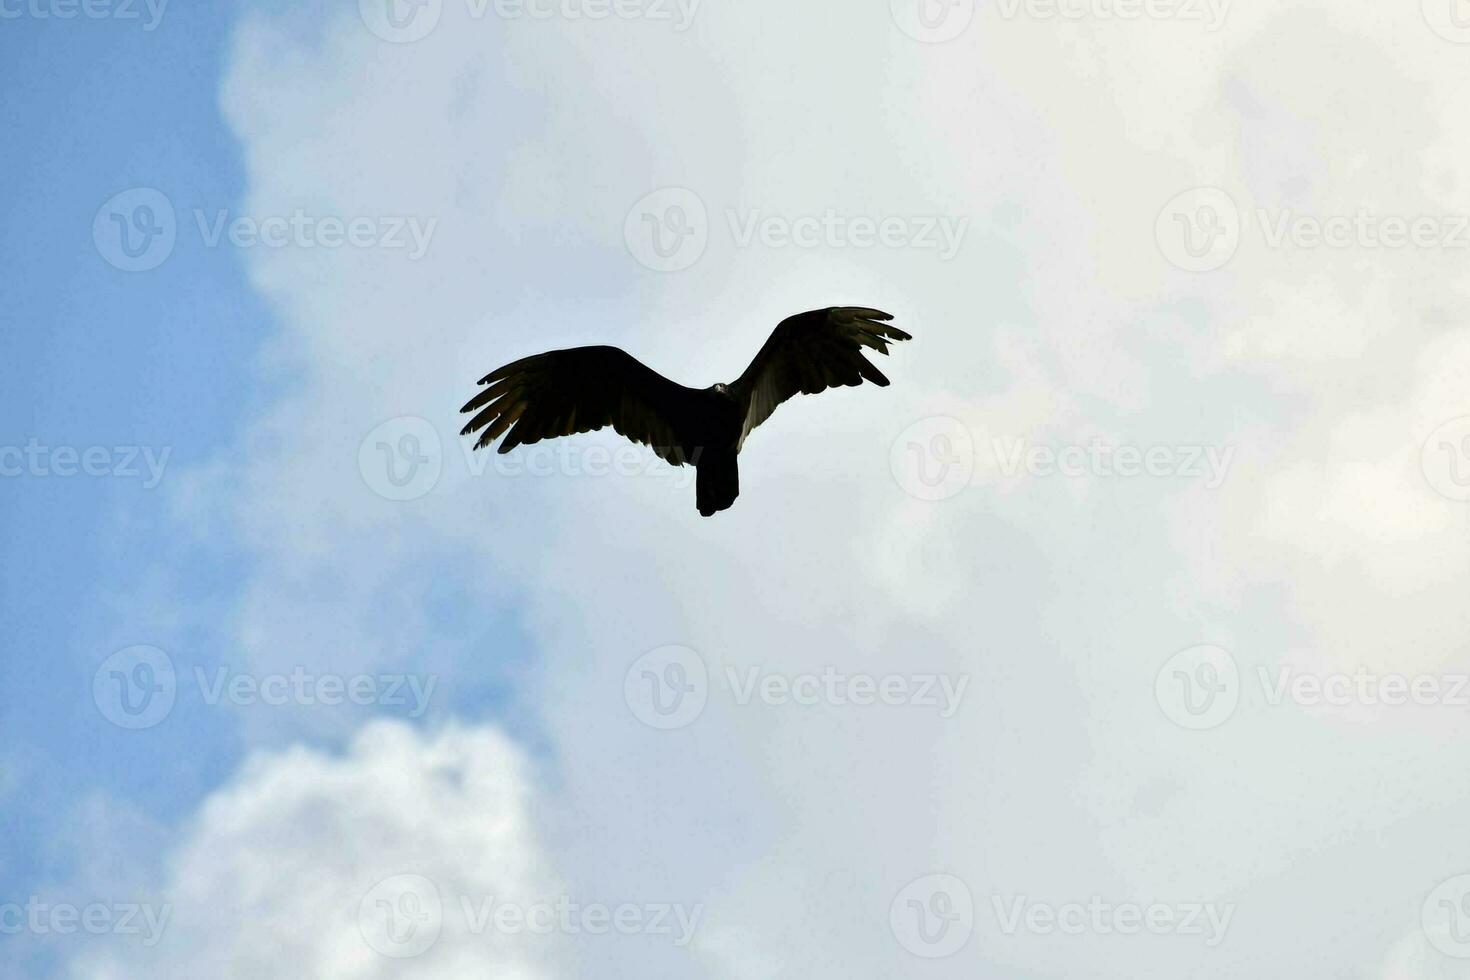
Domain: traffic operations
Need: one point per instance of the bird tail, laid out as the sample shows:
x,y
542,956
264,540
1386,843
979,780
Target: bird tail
x,y
716,483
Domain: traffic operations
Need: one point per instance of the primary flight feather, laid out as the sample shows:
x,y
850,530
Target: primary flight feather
x,y
584,388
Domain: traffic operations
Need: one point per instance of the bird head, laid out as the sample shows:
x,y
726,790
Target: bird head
x,y
720,390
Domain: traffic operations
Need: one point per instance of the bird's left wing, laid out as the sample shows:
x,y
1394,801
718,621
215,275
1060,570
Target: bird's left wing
x,y
811,352
580,389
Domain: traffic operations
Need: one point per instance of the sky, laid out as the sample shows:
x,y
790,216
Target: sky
x,y
1123,635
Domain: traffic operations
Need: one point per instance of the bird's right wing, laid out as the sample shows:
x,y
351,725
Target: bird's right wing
x,y
811,352
580,389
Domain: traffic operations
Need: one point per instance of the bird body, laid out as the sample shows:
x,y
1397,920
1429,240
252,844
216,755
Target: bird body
x,y
580,389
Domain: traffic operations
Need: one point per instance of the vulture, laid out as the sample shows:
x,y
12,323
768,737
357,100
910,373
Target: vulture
x,y
562,392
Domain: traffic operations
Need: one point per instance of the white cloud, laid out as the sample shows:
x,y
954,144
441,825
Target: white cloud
x,y
271,876
1059,319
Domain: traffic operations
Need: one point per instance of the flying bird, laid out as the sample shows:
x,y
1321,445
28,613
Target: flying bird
x,y
580,389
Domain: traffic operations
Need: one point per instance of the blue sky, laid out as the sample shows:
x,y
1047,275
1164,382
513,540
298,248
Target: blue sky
x,y
99,357
532,151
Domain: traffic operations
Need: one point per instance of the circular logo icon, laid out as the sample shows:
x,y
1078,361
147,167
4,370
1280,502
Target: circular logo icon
x,y
135,687
668,230
1446,459
1445,917
135,230
933,459
401,459
1199,230
1198,688
933,916
401,916
400,21
667,688
933,21
1450,19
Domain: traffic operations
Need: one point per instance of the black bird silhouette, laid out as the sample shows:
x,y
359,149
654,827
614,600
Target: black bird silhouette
x,y
585,388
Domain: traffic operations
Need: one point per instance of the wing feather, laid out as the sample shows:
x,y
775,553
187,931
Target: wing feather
x,y
811,352
580,389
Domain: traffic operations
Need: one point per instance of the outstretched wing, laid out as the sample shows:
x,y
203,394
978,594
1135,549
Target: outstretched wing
x,y
811,352
581,389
